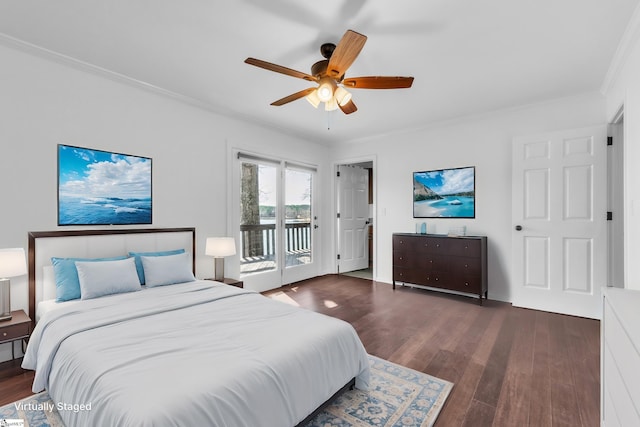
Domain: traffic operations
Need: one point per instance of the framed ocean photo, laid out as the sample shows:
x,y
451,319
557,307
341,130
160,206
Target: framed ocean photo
x,y
445,193
98,187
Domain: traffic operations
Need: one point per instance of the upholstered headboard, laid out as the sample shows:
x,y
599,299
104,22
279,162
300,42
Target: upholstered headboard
x,y
94,244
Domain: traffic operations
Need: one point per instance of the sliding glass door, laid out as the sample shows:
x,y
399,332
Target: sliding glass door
x,y
300,222
276,221
258,217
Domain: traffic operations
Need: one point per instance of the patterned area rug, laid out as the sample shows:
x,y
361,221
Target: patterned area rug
x,y
398,396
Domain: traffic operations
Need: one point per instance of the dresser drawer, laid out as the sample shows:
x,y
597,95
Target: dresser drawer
x,y
420,244
14,332
464,266
424,262
404,258
434,279
408,244
410,275
464,247
469,284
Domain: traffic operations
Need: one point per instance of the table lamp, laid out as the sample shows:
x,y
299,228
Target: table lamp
x,y
12,264
218,248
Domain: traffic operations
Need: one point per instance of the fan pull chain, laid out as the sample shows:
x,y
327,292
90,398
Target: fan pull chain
x,y
329,116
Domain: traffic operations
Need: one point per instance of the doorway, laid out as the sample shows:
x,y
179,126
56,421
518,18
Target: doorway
x,y
559,237
275,221
615,202
355,219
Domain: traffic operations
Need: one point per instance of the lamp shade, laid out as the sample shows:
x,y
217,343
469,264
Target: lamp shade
x,y
313,98
12,262
331,104
220,246
325,89
342,96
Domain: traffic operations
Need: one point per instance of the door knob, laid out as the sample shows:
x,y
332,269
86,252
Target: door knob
x,y
518,228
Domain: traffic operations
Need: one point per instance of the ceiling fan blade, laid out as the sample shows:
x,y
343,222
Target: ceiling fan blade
x,y
349,107
293,97
345,53
279,69
378,82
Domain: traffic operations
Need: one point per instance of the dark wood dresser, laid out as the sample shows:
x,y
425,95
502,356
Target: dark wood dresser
x,y
442,262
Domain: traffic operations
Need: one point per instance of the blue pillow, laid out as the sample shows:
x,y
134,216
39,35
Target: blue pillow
x,y
137,256
66,274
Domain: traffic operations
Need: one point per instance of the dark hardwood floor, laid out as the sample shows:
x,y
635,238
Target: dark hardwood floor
x,y
510,366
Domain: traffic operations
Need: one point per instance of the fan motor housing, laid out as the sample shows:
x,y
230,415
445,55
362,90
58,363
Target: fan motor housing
x,y
319,69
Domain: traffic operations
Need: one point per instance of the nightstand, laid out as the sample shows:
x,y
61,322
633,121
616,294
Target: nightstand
x,y
16,329
232,282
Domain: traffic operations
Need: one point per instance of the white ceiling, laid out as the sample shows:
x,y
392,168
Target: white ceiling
x,y
467,56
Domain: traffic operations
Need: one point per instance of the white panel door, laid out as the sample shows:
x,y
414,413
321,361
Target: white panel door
x,y
353,210
559,221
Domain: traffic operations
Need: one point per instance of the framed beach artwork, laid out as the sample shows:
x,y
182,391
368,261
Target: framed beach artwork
x,y
445,193
98,187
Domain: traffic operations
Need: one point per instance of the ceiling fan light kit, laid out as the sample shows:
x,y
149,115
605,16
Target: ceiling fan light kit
x,y
326,88
329,75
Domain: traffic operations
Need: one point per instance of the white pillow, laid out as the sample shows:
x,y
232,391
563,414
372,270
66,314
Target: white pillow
x,y
167,270
107,277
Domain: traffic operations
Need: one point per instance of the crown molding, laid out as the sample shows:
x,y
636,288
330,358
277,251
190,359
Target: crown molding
x,y
69,61
629,39
75,63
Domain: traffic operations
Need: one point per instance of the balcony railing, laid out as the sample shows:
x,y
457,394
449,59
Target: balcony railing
x,y
258,245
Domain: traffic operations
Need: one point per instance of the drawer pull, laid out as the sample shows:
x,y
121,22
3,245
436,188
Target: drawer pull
x,y
400,257
437,245
436,279
465,266
466,283
4,334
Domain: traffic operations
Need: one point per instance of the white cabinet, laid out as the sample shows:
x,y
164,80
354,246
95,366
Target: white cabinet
x,y
620,358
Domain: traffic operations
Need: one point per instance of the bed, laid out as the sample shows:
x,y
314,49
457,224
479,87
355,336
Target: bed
x,y
197,352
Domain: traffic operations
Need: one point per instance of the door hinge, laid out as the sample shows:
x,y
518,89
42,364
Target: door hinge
x,y
338,215
338,256
609,216
609,140
338,174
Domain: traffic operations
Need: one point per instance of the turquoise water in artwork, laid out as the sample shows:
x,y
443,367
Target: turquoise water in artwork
x,y
100,187
448,207
111,210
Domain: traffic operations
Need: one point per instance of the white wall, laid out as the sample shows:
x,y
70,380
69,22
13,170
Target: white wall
x,y
624,91
44,103
483,142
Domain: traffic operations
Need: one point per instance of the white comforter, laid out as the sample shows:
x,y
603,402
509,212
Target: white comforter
x,y
194,354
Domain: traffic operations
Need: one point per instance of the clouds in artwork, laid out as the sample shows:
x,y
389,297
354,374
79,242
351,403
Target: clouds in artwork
x,y
87,175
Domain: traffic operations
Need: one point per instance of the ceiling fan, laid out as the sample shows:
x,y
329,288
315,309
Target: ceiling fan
x,y
329,74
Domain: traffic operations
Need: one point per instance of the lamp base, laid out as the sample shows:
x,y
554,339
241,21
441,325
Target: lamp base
x,y
218,274
5,299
